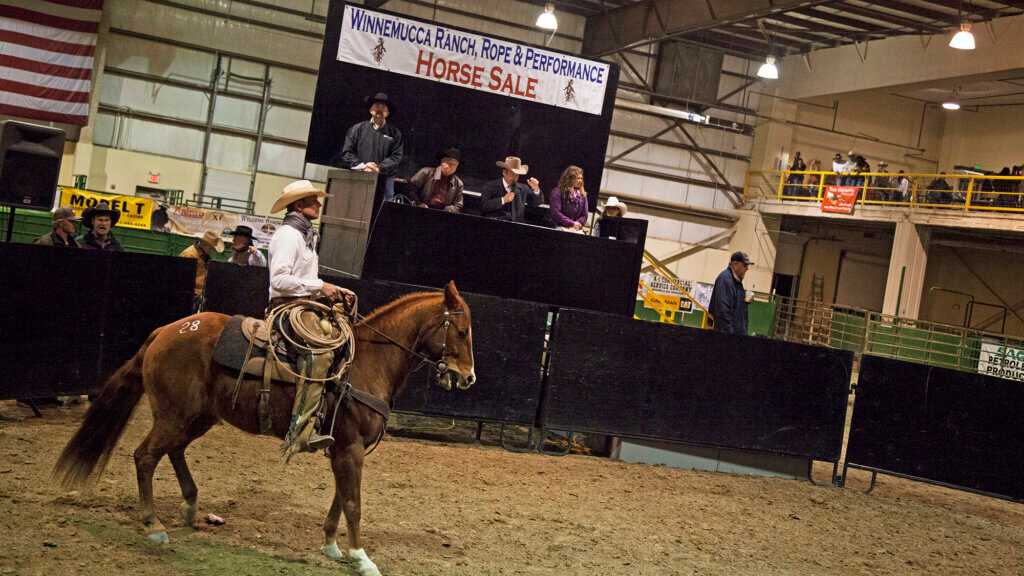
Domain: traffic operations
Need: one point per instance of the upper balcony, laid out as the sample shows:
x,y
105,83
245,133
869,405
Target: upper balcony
x,y
960,201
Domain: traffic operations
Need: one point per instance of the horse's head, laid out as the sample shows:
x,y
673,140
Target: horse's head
x,y
453,345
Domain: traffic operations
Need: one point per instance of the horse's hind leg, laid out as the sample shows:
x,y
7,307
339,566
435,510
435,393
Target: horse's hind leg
x,y
189,491
158,442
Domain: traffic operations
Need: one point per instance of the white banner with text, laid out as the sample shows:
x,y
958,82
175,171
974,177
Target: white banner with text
x,y
432,52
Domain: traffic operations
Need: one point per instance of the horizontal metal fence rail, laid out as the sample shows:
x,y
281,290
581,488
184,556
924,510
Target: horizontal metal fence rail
x,y
865,332
946,191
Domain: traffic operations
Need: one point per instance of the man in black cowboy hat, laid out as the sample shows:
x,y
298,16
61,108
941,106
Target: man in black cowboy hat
x,y
507,197
99,219
374,145
243,252
439,187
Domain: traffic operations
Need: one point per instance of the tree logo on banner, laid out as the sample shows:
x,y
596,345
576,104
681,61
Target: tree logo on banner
x,y
570,92
379,50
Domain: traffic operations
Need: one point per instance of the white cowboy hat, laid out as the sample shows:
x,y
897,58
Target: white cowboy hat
x,y
296,191
613,202
514,164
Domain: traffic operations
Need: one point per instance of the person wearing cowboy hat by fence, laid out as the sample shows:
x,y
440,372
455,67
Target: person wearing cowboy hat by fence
x,y
293,276
374,145
64,220
439,187
243,252
507,198
99,219
200,250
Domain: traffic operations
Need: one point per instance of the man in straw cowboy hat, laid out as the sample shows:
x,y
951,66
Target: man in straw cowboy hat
x,y
374,145
507,198
293,276
200,250
99,219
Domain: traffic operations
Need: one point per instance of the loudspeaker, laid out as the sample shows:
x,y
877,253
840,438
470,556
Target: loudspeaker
x,y
30,157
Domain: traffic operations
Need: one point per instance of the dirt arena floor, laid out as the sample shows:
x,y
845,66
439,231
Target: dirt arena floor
x,y
436,503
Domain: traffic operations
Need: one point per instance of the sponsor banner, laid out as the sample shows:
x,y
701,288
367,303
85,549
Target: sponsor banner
x,y
189,221
839,199
664,294
1001,361
135,212
424,50
262,228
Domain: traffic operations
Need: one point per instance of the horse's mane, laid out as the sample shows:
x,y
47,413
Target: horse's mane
x,y
406,303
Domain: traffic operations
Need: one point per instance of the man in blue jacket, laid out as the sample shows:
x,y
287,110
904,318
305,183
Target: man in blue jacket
x,y
728,299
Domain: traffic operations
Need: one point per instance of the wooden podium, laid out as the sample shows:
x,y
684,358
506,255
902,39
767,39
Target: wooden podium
x,y
345,221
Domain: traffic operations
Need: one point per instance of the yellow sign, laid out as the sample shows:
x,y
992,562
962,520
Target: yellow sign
x,y
135,212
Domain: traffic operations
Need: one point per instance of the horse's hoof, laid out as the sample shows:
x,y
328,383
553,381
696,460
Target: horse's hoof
x,y
364,565
331,551
159,537
188,512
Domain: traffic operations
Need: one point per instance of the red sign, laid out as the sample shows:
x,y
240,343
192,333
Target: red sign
x,y
839,199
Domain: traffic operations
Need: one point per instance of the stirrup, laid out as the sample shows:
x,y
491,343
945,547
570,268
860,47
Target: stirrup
x,y
318,442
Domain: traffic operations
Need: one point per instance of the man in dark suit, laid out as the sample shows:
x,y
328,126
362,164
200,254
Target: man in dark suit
x,y
507,198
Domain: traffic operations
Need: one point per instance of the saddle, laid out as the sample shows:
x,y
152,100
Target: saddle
x,y
233,349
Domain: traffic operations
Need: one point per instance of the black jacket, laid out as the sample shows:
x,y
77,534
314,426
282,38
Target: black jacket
x,y
728,304
514,211
364,144
89,242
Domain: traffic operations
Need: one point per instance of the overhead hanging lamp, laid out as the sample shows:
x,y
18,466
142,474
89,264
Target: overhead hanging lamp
x,y
964,39
952,103
547,19
768,69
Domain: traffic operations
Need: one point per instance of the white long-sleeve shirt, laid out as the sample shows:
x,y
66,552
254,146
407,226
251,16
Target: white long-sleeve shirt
x,y
293,266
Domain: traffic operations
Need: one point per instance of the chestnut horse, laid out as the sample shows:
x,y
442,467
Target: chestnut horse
x,y
189,392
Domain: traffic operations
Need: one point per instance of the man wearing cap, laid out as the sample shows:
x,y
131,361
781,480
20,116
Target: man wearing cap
x,y
728,298
438,188
64,220
100,219
200,250
507,198
293,276
374,145
243,252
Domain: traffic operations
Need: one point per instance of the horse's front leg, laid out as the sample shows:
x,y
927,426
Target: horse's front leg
x,y
347,465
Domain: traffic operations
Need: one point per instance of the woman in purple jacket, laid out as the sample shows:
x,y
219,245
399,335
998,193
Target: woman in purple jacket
x,y
568,201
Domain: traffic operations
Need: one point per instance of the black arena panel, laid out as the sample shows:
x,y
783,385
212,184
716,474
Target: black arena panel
x,y
941,425
639,379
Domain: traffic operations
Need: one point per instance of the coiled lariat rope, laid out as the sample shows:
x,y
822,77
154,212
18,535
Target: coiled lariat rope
x,y
318,343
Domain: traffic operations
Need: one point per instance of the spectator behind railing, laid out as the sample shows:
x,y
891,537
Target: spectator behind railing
x,y
900,194
939,191
795,181
812,181
1005,197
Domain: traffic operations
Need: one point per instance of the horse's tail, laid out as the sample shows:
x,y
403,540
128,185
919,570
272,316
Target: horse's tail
x,y
89,449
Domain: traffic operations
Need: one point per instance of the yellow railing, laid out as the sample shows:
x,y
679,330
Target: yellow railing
x,y
943,191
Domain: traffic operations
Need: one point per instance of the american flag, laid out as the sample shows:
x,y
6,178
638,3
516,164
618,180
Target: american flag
x,y
46,51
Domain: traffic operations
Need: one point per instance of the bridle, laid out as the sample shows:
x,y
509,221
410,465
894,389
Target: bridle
x,y
441,364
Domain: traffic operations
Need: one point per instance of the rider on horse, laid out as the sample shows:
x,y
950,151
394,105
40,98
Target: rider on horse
x,y
293,276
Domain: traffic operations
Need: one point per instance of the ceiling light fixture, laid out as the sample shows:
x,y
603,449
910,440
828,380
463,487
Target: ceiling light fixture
x,y
768,69
964,39
950,105
547,19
